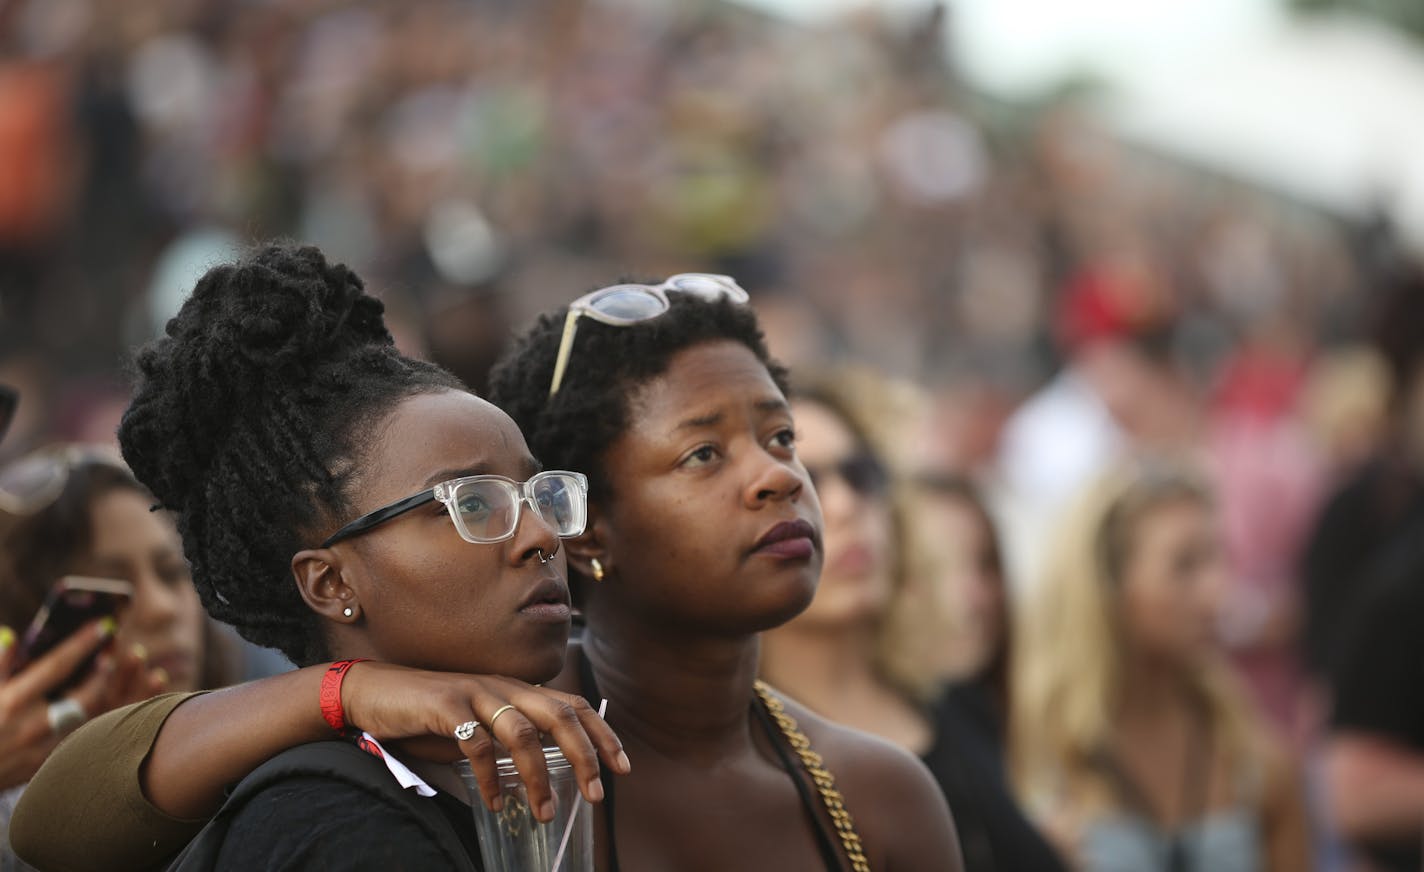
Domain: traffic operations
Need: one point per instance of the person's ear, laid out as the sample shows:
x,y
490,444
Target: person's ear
x,y
323,586
588,552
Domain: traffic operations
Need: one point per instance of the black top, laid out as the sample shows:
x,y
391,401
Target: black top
x,y
967,761
316,823
1359,524
1381,671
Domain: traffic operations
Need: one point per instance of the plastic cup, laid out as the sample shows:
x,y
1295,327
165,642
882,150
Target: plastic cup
x,y
513,840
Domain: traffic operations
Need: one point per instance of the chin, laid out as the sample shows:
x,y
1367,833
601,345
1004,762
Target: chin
x,y
785,609
543,667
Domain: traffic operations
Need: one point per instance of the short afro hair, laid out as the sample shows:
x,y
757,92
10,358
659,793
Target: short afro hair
x,y
248,423
574,428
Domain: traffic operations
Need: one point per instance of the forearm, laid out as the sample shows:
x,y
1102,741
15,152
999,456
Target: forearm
x,y
1376,788
85,809
214,740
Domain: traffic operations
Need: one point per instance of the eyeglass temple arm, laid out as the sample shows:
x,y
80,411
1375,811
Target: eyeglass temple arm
x,y
380,516
566,347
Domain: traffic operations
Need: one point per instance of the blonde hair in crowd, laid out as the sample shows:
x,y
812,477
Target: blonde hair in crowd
x,y
1068,663
870,405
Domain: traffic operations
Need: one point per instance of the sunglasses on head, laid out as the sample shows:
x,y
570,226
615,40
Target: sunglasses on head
x,y
622,305
486,508
863,473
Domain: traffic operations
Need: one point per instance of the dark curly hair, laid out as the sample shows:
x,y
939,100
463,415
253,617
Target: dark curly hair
x,y
250,422
574,428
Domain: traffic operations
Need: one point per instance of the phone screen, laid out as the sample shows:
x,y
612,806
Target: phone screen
x,y
73,602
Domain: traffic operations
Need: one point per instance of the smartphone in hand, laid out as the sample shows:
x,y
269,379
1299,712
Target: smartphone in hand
x,y
72,602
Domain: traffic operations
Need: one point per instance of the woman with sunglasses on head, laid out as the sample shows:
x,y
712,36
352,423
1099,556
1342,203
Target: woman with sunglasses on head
x,y
273,413
702,531
858,655
74,516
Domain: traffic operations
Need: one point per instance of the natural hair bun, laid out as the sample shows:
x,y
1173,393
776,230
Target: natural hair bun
x,y
250,423
248,331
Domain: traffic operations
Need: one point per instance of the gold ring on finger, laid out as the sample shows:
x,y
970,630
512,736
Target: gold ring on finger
x,y
497,712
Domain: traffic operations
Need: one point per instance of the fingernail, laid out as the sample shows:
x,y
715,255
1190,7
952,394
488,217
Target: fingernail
x,y
139,651
546,810
7,638
498,804
159,675
107,626
595,790
624,765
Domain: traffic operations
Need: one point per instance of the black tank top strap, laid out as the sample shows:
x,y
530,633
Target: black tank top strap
x,y
588,686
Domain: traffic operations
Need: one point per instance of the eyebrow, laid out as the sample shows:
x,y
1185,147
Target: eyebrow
x,y
532,466
712,419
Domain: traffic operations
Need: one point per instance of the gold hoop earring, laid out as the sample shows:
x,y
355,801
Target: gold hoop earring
x,y
597,569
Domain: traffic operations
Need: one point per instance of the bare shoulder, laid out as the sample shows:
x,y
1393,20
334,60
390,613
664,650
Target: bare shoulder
x,y
898,809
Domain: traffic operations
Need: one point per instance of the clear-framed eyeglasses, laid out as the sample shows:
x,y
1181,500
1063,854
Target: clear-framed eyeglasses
x,y
486,508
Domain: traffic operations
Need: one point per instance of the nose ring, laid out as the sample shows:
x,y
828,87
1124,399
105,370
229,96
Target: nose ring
x,y
543,558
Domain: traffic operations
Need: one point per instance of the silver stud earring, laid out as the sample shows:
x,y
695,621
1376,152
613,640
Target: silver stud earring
x,y
348,611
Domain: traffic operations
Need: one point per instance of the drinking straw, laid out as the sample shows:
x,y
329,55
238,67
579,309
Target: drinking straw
x,y
573,816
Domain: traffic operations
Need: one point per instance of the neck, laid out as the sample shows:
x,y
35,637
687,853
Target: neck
x,y
1153,686
825,668
683,697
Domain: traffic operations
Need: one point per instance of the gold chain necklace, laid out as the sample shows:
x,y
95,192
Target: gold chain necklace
x,y
825,782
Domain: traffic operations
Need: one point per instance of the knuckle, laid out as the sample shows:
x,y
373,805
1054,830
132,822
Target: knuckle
x,y
453,700
480,747
523,733
564,713
579,705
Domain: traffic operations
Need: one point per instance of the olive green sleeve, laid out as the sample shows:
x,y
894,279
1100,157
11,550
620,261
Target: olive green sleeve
x,y
85,809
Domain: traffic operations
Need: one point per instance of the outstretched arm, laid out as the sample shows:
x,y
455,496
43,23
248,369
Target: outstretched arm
x,y
169,763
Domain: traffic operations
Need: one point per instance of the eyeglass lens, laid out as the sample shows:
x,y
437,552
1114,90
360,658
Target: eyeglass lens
x,y
629,304
706,287
489,507
34,478
862,473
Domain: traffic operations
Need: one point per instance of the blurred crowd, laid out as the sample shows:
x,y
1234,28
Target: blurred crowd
x,y
1042,300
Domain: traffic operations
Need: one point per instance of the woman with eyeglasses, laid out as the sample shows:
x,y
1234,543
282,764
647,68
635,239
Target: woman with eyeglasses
x,y
72,514
339,502
858,654
702,531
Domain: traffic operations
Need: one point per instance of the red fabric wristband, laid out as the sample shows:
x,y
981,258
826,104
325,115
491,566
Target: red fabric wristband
x,y
331,708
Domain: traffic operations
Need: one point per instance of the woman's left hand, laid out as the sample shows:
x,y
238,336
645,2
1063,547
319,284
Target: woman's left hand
x,y
420,708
